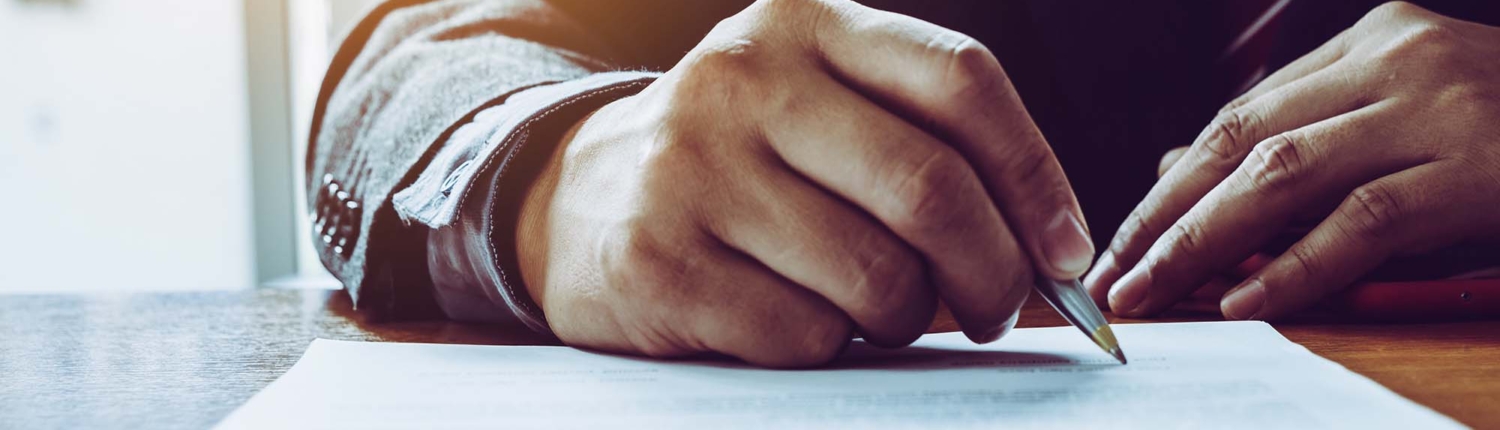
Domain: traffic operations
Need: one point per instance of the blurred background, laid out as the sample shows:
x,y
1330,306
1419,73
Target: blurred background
x,y
156,144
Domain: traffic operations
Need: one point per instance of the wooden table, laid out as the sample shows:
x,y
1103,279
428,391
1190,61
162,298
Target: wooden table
x,y
185,360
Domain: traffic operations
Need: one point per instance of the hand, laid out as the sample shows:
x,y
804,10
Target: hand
x,y
1386,136
812,169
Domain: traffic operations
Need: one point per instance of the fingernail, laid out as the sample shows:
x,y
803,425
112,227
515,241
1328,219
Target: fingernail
x,y
1066,246
1127,294
1104,269
997,332
1244,302
992,335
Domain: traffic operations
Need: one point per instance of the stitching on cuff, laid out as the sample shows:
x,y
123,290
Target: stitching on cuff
x,y
534,318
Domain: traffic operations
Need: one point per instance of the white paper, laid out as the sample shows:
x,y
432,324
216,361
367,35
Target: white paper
x,y
1189,375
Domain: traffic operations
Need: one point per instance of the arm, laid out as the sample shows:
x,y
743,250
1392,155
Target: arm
x,y
390,131
810,169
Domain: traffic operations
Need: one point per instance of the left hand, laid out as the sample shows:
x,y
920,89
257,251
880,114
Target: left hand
x,y
1389,134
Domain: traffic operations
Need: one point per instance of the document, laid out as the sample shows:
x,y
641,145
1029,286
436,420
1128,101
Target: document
x,y
1188,375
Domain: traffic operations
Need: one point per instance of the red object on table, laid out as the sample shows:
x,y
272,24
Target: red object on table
x,y
1438,300
1408,301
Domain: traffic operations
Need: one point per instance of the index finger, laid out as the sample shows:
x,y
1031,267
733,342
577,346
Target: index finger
x,y
1217,153
951,83
1281,175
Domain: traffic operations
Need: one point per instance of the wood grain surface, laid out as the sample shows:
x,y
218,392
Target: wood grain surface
x,y
185,360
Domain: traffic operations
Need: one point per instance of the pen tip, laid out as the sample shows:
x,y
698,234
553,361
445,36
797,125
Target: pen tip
x,y
1105,338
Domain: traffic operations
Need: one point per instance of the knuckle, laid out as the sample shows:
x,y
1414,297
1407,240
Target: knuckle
x,y
1134,227
1374,211
924,199
694,94
1432,34
1277,163
1237,103
1391,8
1029,163
730,58
790,6
783,15
971,69
820,341
1186,242
1389,11
1469,101
1401,9
1305,264
1428,43
1231,135
1476,99
885,283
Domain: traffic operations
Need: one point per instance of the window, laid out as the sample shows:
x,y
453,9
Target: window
x,y
123,141
158,144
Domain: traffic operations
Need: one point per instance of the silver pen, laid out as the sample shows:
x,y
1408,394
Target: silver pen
x,y
1070,300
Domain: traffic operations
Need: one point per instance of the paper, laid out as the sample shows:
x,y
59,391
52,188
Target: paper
x,y
1190,375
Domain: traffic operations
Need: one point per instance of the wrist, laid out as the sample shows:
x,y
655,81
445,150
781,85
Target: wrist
x,y
533,226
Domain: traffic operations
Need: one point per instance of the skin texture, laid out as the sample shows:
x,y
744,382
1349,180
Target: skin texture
x,y
813,170
1386,138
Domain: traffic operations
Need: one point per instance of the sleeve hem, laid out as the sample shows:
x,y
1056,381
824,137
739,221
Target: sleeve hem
x,y
519,169
436,195
502,150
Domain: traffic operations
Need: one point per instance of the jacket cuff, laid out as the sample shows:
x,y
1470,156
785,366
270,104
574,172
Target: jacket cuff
x,y
471,193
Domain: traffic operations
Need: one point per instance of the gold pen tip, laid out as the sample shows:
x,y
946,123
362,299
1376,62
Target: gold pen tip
x,y
1105,338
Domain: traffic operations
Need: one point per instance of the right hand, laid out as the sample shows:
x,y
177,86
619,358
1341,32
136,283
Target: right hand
x,y
813,168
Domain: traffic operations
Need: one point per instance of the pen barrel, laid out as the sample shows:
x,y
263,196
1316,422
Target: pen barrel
x,y
1073,302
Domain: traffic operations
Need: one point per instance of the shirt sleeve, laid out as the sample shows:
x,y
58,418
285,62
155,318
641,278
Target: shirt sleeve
x,y
470,194
431,119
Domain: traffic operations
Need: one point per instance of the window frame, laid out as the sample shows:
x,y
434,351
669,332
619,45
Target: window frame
x,y
287,45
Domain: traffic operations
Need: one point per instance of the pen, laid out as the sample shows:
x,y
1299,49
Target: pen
x,y
1070,300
